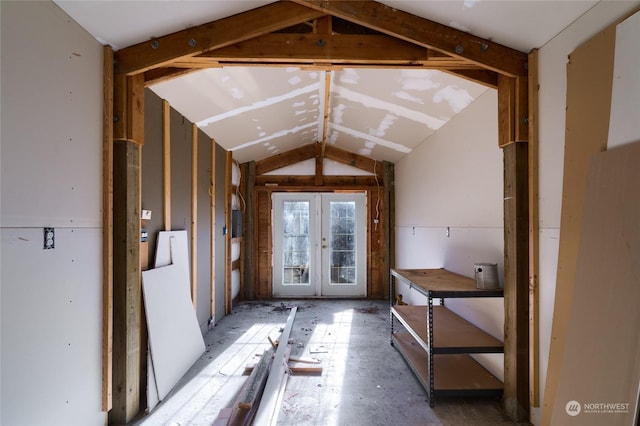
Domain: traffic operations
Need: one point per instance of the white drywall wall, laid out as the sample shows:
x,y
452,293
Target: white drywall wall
x,y
553,58
51,175
454,180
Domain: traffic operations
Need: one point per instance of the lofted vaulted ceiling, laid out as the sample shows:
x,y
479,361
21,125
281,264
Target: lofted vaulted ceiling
x,y
263,78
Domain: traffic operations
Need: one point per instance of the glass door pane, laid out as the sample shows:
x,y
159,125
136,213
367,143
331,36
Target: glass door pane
x,y
344,245
294,245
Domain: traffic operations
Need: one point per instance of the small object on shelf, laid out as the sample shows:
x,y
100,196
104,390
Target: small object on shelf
x,y
486,275
399,300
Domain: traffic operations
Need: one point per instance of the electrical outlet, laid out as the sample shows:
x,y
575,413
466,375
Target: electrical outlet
x,y
49,238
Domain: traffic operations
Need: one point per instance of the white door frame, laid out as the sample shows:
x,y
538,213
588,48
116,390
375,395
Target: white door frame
x,y
319,267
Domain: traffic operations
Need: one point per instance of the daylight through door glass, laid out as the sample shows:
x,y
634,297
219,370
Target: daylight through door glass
x,y
343,242
296,243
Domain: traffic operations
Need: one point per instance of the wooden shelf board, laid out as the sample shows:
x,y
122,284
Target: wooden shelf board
x,y
443,283
453,374
451,333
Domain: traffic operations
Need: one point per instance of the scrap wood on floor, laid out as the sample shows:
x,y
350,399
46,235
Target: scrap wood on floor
x,y
261,395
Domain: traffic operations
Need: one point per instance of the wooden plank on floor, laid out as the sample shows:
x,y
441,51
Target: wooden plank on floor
x,y
268,410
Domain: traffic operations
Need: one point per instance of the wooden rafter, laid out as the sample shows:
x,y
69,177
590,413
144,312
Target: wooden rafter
x,y
278,161
425,33
355,160
162,51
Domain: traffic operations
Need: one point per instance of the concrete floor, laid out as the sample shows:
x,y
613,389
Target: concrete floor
x,y
364,380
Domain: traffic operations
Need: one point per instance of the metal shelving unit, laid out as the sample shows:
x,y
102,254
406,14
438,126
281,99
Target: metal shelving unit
x,y
437,342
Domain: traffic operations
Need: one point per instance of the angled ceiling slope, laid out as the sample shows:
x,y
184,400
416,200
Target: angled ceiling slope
x,y
335,76
358,74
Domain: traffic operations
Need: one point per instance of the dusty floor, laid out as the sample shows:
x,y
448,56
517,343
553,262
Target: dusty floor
x,y
364,380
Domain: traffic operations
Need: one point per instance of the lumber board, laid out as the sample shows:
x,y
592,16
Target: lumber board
x,y
228,185
166,164
107,230
268,409
194,216
127,301
534,235
516,281
245,406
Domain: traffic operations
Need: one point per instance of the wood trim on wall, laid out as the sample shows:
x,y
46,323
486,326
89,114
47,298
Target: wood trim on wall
x,y
107,229
212,201
534,235
227,235
166,164
194,216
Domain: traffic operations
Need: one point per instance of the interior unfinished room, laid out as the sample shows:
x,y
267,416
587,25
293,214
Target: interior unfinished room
x,y
319,212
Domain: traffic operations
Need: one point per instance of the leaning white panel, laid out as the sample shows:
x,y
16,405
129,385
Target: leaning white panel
x,y
175,340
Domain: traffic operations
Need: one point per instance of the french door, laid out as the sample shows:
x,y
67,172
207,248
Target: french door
x,y
319,244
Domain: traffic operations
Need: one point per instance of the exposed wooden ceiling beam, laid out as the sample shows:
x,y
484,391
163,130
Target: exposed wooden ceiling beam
x,y
425,33
223,32
361,162
292,156
484,77
158,75
327,48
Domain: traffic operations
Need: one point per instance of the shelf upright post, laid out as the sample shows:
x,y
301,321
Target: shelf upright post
x,y
430,344
391,294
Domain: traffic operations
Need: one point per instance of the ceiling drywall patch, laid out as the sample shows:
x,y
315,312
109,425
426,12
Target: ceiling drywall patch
x,y
364,151
386,122
349,76
337,113
294,80
237,93
391,145
420,80
408,97
371,102
470,3
298,104
333,137
275,135
260,104
457,98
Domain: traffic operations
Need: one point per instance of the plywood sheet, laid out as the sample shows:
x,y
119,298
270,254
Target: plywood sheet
x,y
600,369
587,128
174,335
624,124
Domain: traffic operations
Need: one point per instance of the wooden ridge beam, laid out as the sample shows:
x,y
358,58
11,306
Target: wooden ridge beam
x,y
425,33
163,50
